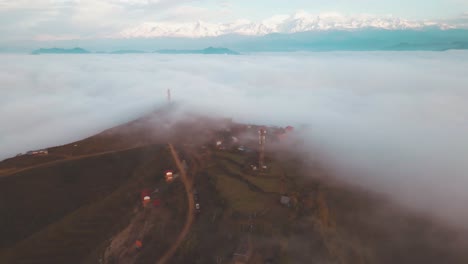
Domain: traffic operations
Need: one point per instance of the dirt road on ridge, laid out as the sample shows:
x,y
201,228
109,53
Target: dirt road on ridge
x,y
190,210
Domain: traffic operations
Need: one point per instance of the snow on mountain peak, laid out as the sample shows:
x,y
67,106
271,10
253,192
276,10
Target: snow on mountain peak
x,y
298,22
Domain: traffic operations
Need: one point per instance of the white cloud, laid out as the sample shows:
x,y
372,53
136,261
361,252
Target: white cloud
x,y
28,4
395,123
188,13
25,19
56,37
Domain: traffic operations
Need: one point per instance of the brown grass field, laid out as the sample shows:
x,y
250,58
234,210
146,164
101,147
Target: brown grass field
x,y
81,204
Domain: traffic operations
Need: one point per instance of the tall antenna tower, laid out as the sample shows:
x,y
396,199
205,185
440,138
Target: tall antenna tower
x,y
261,141
168,95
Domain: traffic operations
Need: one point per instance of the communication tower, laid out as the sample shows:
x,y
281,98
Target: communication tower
x,y
261,141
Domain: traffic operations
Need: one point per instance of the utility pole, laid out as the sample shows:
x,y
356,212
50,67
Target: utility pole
x,y
283,184
168,95
261,141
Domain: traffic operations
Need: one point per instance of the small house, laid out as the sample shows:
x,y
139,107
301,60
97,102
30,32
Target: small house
x,y
285,200
138,244
145,197
169,176
38,152
146,201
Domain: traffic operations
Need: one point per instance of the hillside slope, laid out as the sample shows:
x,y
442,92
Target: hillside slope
x,y
84,205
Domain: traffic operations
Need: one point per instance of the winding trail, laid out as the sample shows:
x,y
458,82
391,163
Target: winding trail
x,y
190,212
14,171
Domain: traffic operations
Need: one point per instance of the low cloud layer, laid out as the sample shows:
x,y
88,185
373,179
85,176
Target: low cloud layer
x,y
395,123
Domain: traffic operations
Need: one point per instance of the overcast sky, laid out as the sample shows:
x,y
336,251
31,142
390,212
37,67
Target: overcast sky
x,y
72,19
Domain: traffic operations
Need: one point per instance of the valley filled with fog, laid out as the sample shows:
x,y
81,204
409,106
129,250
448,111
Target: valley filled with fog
x,y
392,122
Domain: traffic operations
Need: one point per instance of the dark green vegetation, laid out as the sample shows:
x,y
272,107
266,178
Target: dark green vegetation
x,y
326,221
60,51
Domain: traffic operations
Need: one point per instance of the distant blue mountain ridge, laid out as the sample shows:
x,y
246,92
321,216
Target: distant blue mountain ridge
x,y
360,40
60,51
126,52
210,50
429,39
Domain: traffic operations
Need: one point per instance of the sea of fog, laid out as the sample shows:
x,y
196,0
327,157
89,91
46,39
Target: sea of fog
x,y
393,122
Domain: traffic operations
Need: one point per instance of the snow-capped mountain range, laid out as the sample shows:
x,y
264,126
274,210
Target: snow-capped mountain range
x,y
298,22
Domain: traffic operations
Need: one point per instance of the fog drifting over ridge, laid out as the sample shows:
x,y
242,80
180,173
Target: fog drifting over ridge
x,y
398,121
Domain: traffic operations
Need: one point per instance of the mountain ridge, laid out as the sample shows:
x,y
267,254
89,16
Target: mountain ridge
x,y
298,22
89,207
76,50
207,51
332,40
